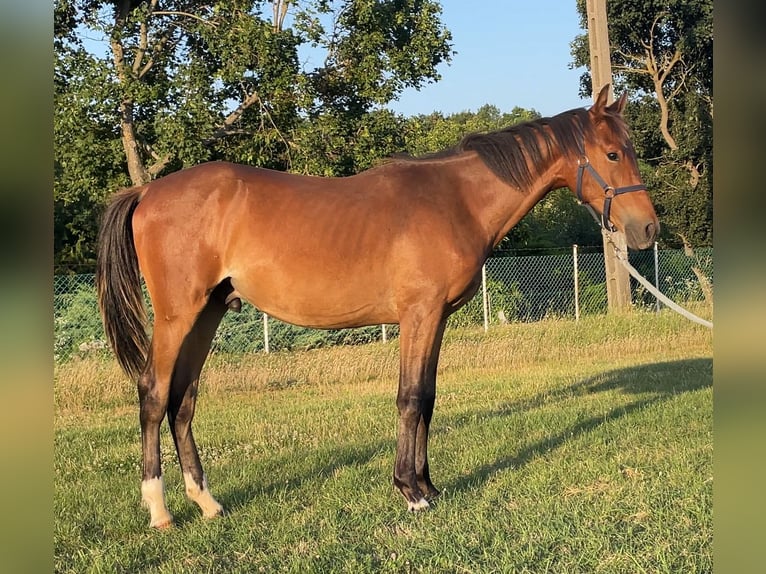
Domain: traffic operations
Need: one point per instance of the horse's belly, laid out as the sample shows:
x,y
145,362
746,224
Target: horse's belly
x,y
319,302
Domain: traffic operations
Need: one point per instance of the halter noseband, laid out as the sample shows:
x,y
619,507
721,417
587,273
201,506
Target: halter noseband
x,y
609,192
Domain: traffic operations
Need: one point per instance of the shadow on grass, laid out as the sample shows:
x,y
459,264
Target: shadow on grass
x,y
288,477
655,383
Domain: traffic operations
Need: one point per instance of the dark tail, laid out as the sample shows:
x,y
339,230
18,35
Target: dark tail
x,y
118,282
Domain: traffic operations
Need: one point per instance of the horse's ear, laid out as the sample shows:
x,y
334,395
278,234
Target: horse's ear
x,y
600,105
619,105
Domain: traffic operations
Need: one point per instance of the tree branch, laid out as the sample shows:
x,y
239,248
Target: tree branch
x,y
668,62
280,12
638,60
233,117
226,129
709,101
186,15
159,165
143,42
660,70
160,161
157,49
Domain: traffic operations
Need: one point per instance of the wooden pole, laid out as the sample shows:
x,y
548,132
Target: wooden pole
x,y
617,277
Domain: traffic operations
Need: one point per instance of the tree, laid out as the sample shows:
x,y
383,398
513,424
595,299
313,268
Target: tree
x,y
182,81
662,53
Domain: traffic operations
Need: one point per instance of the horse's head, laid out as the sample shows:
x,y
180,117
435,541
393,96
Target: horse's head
x,y
607,176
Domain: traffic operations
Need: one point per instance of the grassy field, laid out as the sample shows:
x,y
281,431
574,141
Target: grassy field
x,y
559,446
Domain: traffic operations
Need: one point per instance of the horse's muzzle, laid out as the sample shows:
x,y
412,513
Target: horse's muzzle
x,y
641,235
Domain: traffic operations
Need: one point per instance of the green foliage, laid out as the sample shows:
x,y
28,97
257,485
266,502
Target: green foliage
x,y
592,297
686,204
682,284
240,332
77,324
88,156
378,48
290,338
335,144
505,298
662,25
557,221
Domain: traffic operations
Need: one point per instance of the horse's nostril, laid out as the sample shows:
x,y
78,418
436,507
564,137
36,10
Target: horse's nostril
x,y
651,231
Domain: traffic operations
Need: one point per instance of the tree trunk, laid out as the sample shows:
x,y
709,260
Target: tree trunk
x,y
136,168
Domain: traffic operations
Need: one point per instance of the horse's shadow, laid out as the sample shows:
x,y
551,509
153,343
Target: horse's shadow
x,y
653,384
286,478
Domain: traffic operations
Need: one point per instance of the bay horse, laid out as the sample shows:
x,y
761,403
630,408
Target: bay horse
x,y
403,242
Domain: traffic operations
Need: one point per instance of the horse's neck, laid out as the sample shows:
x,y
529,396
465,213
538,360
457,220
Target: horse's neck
x,y
498,206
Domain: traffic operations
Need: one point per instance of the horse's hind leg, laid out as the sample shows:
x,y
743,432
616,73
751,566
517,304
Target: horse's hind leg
x,y
153,395
180,327
183,398
153,404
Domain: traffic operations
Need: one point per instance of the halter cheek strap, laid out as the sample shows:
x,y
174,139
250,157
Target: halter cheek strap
x,y
610,192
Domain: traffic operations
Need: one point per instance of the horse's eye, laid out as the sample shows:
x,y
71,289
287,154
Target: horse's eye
x,y
612,155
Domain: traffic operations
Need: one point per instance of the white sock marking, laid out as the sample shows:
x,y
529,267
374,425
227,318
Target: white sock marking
x,y
421,504
209,505
153,496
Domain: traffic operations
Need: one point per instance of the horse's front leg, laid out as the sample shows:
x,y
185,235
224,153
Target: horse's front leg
x,y
422,472
420,338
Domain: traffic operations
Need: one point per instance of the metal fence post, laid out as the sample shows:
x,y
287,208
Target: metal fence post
x,y
484,297
266,332
576,284
657,275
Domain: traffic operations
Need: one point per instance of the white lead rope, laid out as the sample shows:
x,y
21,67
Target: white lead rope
x,y
621,257
653,290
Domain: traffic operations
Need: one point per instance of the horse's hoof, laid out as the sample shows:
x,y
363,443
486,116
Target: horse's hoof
x,y
214,514
421,504
163,524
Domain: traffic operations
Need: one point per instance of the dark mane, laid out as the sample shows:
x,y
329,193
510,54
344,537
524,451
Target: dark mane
x,y
516,154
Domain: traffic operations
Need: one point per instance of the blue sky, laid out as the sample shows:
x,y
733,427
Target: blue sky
x,y
509,53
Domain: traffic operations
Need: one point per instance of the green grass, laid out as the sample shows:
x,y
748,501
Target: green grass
x,y
559,446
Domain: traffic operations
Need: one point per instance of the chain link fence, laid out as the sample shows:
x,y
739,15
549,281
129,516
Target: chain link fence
x,y
516,288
